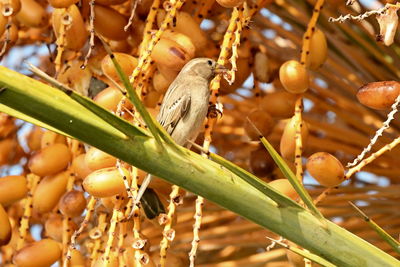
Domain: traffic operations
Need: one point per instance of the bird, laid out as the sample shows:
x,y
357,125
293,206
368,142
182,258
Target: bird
x,y
185,105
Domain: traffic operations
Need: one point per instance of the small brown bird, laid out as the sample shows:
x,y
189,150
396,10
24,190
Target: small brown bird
x,y
185,104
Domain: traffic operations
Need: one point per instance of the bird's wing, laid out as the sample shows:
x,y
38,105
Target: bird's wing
x,y
175,106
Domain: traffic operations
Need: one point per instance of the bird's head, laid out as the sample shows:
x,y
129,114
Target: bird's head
x,y
204,67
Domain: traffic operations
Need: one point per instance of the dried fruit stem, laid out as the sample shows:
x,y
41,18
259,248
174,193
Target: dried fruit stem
x,y
198,215
65,235
91,31
298,138
124,178
101,227
134,189
136,213
111,231
168,232
121,238
133,10
149,25
143,86
305,49
304,58
363,16
33,181
65,221
378,133
77,233
236,43
323,195
371,158
60,43
215,83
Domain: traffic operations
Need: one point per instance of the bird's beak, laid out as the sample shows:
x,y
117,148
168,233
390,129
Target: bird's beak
x,y
220,69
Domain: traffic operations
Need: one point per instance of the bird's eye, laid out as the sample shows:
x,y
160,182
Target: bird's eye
x,y
209,62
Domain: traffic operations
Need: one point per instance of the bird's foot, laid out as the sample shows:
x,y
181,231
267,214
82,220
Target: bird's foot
x,y
215,110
